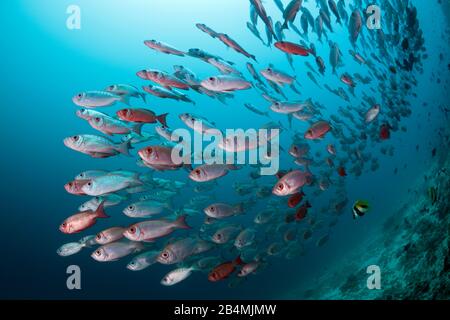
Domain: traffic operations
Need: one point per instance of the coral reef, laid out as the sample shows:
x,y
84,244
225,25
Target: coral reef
x,y
412,250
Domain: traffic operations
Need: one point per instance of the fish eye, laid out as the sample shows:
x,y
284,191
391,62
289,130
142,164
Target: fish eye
x,y
218,236
149,150
132,230
64,224
98,253
269,69
277,104
165,255
97,119
212,208
131,207
83,110
98,237
211,78
280,186
75,138
89,183
197,171
79,95
70,184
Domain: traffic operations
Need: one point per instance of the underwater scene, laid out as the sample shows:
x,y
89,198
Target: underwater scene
x,y
239,149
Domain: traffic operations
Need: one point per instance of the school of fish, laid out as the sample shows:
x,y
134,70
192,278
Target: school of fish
x,y
370,105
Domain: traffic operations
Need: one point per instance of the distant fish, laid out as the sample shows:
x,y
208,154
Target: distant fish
x,y
176,276
126,90
228,41
141,115
292,48
96,99
224,270
225,83
96,146
318,130
82,220
291,183
163,47
116,250
203,27
151,230
360,208
372,113
290,12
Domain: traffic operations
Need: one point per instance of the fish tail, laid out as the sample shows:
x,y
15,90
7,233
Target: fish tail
x,y
162,119
285,25
100,212
181,222
124,148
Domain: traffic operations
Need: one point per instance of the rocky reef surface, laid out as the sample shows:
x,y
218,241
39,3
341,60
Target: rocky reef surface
x,y
412,249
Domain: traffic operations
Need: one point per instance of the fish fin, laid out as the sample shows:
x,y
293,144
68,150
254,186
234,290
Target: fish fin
x,y
239,208
100,212
125,99
290,120
143,96
233,167
124,148
181,222
162,119
137,128
238,261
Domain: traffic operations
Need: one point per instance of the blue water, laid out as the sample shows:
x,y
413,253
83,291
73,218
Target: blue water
x,y
44,64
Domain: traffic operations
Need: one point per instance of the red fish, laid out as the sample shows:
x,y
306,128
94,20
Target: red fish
x,y
385,132
317,130
223,271
141,115
74,187
82,220
345,78
341,172
302,211
292,48
295,199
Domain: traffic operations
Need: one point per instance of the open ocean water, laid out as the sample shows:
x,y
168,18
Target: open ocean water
x,y
44,64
